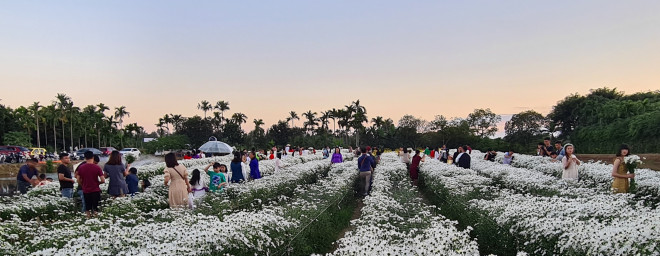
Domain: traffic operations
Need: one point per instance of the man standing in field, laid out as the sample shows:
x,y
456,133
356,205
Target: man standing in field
x,y
560,150
64,176
463,159
364,165
547,148
26,173
90,176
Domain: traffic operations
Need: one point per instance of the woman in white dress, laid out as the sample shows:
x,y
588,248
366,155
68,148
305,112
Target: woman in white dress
x,y
570,163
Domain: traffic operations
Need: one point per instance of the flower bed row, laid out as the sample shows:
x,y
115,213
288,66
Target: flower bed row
x,y
506,221
596,175
142,205
395,221
176,232
47,204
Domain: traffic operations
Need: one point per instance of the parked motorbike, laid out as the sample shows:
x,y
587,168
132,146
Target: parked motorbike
x,y
14,158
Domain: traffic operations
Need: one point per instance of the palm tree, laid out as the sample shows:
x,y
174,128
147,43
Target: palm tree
x,y
72,110
324,119
239,118
378,122
334,114
50,113
35,109
62,104
98,119
216,120
167,120
257,125
23,117
204,106
293,115
359,116
176,121
311,120
120,112
160,125
222,106
89,116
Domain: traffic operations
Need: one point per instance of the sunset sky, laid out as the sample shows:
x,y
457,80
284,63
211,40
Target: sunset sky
x,y
267,58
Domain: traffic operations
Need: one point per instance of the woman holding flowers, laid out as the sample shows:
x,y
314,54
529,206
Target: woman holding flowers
x,y
570,163
620,171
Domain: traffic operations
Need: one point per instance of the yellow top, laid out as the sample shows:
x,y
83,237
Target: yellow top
x,y
621,185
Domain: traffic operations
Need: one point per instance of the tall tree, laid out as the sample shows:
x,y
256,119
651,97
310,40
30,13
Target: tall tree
x,y
311,120
483,122
238,118
176,121
257,125
222,106
293,115
62,104
524,127
99,122
35,107
204,106
120,113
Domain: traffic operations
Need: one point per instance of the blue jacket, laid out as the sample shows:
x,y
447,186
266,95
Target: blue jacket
x,y
236,172
365,162
254,169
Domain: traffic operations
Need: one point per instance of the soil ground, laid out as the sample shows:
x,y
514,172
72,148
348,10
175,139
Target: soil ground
x,y
652,161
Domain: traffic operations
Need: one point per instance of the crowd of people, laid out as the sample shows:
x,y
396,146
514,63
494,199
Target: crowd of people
x,y
184,192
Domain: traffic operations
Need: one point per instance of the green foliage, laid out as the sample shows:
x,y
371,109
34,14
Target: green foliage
x,y
49,167
171,142
605,118
130,159
17,139
524,130
483,122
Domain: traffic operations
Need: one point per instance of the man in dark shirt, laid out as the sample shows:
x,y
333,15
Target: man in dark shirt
x,y
64,175
547,148
463,159
365,163
25,175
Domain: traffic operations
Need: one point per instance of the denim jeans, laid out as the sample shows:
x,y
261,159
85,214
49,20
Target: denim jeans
x,y
67,192
23,186
82,198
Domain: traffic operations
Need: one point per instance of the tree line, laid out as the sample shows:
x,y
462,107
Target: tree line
x,y
595,123
61,125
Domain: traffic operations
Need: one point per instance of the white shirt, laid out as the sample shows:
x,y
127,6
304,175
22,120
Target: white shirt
x,y
278,164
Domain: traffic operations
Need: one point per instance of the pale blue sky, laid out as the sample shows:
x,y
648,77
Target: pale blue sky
x,y
269,57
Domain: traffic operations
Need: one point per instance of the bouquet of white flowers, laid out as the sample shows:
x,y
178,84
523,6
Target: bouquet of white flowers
x,y
631,162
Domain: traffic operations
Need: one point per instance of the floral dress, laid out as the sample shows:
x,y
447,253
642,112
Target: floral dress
x,y
621,185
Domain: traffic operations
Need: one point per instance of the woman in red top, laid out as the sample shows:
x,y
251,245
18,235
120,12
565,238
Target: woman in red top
x,y
187,156
414,167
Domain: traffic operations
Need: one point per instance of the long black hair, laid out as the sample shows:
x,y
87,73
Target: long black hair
x,y
621,148
237,158
195,177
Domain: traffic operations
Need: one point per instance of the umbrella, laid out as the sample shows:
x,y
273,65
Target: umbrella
x,y
216,147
